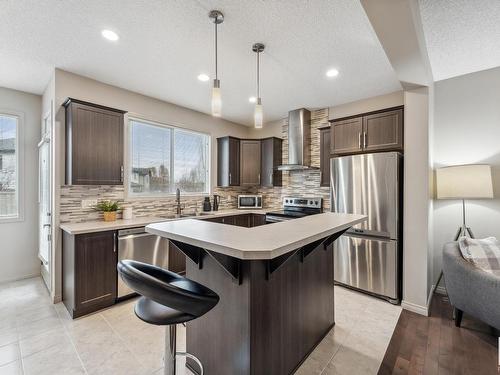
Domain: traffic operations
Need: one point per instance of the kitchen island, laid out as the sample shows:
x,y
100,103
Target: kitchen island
x,y
275,284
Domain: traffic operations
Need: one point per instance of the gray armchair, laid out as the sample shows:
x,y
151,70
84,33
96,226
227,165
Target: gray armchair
x,y
470,289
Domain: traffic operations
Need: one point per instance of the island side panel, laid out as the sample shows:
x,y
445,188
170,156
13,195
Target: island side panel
x,y
221,338
291,312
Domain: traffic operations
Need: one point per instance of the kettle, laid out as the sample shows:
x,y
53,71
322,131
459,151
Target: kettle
x,y
216,202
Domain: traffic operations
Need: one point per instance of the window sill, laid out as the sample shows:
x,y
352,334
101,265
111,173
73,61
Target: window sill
x,y
11,219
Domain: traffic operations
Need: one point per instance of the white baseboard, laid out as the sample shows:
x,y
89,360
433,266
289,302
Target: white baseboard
x,y
419,309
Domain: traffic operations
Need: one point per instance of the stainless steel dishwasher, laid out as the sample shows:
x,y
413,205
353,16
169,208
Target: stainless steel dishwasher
x,y
137,244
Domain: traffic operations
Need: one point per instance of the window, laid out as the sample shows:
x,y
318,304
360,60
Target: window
x,y
164,158
9,174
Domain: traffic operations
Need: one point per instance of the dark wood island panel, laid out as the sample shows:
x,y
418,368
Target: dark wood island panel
x,y
270,317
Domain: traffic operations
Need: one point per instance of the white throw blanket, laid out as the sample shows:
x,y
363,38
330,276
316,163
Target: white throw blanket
x,y
483,253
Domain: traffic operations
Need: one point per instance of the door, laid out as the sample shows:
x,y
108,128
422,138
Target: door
x,y
383,131
368,184
96,149
367,264
95,270
346,136
250,163
271,150
45,202
324,159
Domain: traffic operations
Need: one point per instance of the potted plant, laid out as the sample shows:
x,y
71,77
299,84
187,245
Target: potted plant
x,y
108,209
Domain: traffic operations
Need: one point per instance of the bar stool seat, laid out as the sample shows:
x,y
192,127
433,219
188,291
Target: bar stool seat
x,y
166,299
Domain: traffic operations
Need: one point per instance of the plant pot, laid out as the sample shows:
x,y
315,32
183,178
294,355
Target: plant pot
x,y
109,216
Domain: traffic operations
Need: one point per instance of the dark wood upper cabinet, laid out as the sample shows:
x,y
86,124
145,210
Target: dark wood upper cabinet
x,y
94,144
346,136
228,161
383,131
271,157
250,155
324,151
89,271
370,132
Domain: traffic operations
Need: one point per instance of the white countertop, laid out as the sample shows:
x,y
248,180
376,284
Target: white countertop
x,y
102,226
262,242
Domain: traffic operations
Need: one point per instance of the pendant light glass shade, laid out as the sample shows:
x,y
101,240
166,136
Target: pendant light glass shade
x,y
216,99
258,115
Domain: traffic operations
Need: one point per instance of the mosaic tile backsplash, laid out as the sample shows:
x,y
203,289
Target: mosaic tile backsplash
x,y
297,183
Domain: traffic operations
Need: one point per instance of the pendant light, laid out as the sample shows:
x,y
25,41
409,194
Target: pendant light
x,y
217,18
258,115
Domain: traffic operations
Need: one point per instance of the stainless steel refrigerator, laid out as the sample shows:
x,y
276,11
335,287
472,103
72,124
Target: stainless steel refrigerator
x,y
368,257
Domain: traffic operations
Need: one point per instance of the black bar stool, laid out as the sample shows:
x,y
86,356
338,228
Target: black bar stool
x,y
167,299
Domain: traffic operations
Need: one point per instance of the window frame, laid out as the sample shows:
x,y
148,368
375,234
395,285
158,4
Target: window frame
x,y
20,196
128,159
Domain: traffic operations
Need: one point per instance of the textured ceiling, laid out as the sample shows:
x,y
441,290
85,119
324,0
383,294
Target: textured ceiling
x,y
165,44
462,36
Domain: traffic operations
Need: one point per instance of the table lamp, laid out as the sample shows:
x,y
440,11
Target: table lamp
x,y
463,182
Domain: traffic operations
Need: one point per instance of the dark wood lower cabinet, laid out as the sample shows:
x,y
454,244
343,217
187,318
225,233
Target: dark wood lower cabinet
x,y
242,220
89,271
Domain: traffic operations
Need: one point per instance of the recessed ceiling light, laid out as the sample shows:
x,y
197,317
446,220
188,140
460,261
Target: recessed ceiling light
x,y
203,77
332,73
110,35
252,99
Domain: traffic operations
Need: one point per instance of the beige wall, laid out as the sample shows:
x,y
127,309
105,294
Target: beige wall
x,y
366,105
467,131
19,248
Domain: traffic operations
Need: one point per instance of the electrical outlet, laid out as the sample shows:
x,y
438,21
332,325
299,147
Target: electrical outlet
x,y
89,203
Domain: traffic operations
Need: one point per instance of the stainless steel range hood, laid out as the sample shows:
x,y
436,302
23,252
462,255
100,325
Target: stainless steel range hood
x,y
299,141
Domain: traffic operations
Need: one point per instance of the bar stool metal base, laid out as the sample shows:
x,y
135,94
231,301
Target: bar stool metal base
x,y
169,360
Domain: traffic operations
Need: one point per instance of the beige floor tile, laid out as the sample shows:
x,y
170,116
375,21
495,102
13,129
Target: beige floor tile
x,y
35,314
9,353
349,361
12,368
57,360
38,327
43,341
8,334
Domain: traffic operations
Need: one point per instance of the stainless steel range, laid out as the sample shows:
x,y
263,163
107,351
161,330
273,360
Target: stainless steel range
x,y
296,207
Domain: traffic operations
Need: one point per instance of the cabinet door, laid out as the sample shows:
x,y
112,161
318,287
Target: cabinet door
x,y
94,145
383,131
257,219
176,259
346,136
271,157
228,161
250,163
95,271
324,150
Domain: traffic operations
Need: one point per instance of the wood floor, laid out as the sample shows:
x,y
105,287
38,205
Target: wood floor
x,y
433,345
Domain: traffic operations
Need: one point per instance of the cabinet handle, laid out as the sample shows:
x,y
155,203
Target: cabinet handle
x,y
121,173
229,178
114,242
364,139
271,177
259,178
359,140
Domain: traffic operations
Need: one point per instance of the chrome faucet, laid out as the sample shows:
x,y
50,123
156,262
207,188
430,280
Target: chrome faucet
x,y
178,202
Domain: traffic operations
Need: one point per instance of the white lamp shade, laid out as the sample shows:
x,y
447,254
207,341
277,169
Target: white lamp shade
x,y
464,182
216,102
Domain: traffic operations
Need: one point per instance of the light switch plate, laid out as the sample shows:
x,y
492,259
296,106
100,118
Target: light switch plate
x,y
89,203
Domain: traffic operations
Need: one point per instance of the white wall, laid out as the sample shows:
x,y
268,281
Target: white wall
x,y
467,131
19,240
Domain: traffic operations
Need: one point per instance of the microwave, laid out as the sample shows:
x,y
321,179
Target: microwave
x,y
249,201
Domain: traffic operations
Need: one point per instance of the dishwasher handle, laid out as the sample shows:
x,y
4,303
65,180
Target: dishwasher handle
x,y
127,232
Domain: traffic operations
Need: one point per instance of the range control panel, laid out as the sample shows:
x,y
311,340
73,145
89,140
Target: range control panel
x,y
305,202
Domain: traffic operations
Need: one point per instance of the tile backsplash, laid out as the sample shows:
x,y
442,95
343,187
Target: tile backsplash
x,y
299,183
